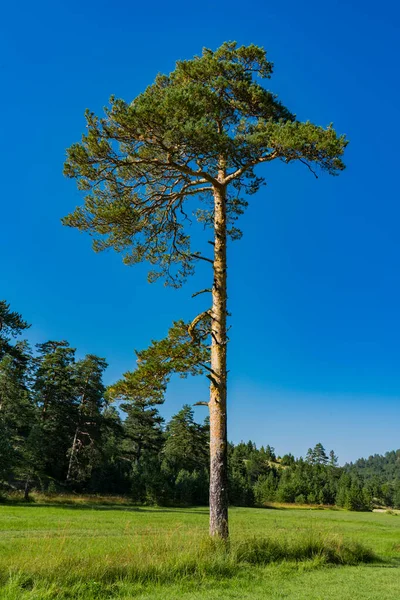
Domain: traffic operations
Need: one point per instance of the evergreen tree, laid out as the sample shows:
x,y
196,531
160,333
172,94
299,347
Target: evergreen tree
x,y
11,326
199,132
56,398
143,429
185,457
88,393
239,478
310,457
333,459
143,433
17,414
287,460
112,472
396,494
186,444
265,488
270,453
319,455
357,497
7,454
139,398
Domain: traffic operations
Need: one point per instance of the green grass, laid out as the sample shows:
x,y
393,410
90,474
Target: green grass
x,y
98,549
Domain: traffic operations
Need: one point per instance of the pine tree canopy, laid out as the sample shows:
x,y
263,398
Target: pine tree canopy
x,y
142,162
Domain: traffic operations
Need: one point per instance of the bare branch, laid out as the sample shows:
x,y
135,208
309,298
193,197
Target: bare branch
x,y
201,404
308,166
207,368
213,380
196,255
201,292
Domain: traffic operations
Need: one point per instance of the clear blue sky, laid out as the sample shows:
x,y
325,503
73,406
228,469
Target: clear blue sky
x,y
314,285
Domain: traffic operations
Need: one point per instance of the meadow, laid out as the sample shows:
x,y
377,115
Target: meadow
x,y
91,550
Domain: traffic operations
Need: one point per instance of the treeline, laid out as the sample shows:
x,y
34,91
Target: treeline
x,y
381,474
59,431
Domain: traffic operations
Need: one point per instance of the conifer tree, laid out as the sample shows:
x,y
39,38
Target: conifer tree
x,y
310,457
186,445
88,393
11,325
17,411
333,459
319,454
139,398
57,403
197,136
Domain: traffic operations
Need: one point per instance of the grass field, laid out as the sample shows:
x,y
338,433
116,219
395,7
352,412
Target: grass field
x,y
102,550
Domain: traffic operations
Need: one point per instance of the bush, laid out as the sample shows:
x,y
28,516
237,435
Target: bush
x,y
264,489
191,488
240,491
300,499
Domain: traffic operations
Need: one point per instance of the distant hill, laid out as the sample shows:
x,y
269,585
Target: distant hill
x,y
385,467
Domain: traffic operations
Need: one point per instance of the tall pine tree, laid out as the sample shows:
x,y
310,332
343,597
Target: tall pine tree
x,y
197,134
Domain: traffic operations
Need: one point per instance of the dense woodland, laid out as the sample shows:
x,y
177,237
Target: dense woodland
x,y
61,430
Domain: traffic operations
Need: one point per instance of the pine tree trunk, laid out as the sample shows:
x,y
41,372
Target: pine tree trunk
x,y
72,455
75,442
26,489
217,406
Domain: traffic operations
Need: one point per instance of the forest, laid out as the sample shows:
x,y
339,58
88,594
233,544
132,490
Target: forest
x,y
63,431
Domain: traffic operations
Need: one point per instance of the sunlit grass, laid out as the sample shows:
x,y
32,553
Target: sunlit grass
x,y
111,549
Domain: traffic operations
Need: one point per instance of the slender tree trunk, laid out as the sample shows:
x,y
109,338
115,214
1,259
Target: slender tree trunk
x,y
75,442
27,488
218,424
72,455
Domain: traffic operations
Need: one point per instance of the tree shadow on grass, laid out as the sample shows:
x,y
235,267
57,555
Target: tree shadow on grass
x,y
109,507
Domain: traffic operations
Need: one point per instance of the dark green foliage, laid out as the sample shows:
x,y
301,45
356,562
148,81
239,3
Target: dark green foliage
x,y
85,452
58,431
11,326
186,445
287,460
381,474
143,430
17,413
140,393
352,494
55,396
387,464
184,351
185,457
191,487
317,455
320,457
112,473
144,161
333,459
7,453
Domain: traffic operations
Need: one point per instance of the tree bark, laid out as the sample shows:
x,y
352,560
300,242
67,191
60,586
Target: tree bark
x,y
75,442
217,406
72,455
26,489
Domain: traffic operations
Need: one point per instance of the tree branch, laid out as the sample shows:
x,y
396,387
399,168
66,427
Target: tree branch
x,y
308,166
195,255
201,292
247,166
196,320
207,368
